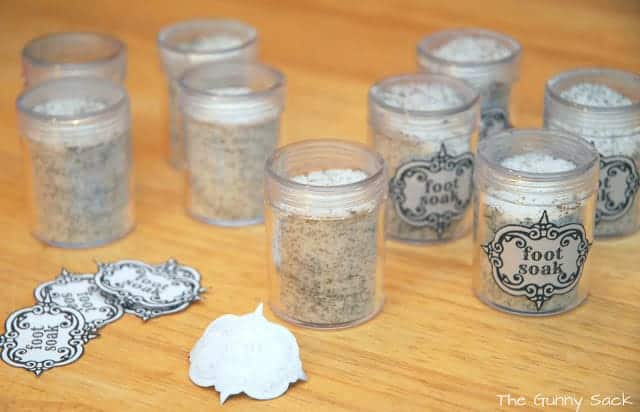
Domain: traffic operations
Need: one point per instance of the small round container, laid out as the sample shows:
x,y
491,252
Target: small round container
x,y
325,234
189,43
77,143
535,194
231,118
74,54
603,107
489,61
424,126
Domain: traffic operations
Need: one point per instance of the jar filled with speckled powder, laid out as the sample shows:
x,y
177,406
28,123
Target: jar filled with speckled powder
x,y
424,126
77,141
188,43
489,61
603,107
231,124
325,233
534,210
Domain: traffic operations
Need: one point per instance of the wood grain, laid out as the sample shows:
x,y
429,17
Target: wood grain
x,y
434,347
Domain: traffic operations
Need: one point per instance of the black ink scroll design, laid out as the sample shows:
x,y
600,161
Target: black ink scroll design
x,y
97,307
570,239
440,168
44,336
612,207
136,283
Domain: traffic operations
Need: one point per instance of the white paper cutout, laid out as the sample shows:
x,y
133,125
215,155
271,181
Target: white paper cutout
x,y
44,336
149,291
80,292
246,354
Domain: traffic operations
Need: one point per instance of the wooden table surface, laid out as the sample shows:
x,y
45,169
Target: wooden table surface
x,y
434,347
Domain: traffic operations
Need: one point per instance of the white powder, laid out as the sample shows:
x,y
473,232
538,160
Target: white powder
x,y
331,177
595,95
472,49
538,163
230,91
424,97
69,107
211,43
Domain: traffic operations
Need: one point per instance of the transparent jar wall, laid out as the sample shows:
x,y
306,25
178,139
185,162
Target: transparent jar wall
x,y
492,80
437,147
232,125
178,54
533,231
79,170
325,245
225,170
74,55
615,133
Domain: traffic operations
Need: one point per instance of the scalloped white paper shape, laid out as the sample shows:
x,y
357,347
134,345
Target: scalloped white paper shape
x,y
246,354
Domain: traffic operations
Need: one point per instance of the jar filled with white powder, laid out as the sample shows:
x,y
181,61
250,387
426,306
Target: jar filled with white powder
x,y
77,143
325,233
603,107
424,126
231,123
73,55
189,43
535,193
489,61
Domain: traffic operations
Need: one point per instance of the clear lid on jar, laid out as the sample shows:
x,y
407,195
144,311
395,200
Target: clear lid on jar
x,y
74,54
594,102
76,111
232,93
478,56
191,42
423,106
553,166
285,190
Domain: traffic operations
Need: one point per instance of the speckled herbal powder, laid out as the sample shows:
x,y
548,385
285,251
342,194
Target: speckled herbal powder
x,y
494,95
499,209
443,140
327,265
612,144
225,165
81,187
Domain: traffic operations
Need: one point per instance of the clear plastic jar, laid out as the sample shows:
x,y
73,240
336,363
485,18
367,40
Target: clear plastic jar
x,y
77,143
325,233
231,123
603,107
489,61
424,127
535,198
74,54
189,43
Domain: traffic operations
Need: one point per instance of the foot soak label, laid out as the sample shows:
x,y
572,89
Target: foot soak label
x,y
44,336
433,192
538,261
619,182
493,121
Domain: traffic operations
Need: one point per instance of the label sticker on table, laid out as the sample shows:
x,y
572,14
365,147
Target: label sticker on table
x,y
44,336
80,292
433,192
538,261
149,291
619,184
